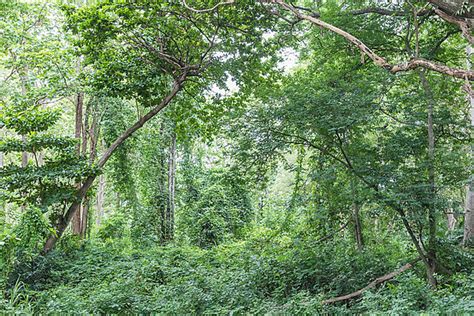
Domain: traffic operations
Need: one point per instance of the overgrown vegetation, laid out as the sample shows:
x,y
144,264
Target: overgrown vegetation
x,y
239,157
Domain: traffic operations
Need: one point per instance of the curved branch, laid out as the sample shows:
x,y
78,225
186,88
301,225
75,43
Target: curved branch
x,y
378,60
206,10
460,22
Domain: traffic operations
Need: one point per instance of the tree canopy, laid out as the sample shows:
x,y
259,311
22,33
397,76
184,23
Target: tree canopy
x,y
199,157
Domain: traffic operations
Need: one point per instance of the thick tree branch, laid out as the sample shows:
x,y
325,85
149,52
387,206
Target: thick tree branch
x,y
378,60
460,22
454,7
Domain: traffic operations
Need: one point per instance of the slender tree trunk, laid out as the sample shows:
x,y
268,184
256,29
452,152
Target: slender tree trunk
x,y
431,180
451,219
24,155
63,221
100,200
90,136
468,239
171,187
77,219
358,228
24,90
41,158
356,218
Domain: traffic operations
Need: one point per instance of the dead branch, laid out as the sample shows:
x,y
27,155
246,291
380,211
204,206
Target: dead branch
x,y
372,284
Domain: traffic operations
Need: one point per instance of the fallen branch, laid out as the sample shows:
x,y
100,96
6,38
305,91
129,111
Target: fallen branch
x,y
372,284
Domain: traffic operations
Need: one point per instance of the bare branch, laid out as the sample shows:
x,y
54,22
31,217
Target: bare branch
x,y
372,284
378,60
207,10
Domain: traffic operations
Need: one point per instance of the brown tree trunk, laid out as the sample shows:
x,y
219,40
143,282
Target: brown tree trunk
x,y
468,239
63,221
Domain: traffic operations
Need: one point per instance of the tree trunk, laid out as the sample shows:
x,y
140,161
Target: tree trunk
x,y
451,219
77,219
84,217
431,251
356,218
24,155
358,227
468,239
171,187
100,200
63,221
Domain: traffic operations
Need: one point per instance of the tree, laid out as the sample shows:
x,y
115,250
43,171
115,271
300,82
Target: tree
x,y
150,52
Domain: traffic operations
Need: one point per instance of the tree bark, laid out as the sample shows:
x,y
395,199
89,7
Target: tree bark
x,y
77,219
451,220
468,238
100,200
63,221
431,181
171,187
356,218
454,7
412,64
24,154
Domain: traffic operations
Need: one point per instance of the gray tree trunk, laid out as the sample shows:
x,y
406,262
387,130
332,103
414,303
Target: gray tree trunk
x,y
100,200
171,187
469,206
77,219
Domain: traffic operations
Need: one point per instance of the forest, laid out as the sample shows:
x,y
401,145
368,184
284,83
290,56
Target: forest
x,y
275,157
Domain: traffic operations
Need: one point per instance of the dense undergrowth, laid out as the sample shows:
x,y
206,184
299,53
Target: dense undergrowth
x,y
263,274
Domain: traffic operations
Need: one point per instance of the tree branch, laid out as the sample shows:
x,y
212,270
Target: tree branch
x,y
460,22
382,11
207,10
378,60
372,284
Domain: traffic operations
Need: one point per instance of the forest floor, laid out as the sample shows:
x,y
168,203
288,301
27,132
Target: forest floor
x,y
264,274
